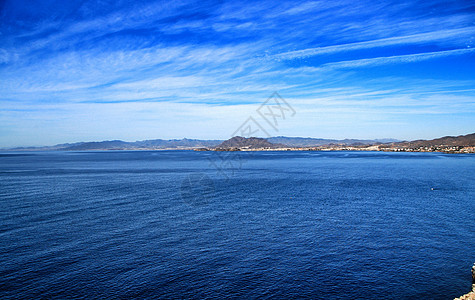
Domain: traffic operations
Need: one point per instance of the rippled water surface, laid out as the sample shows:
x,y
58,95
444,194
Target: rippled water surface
x,y
184,224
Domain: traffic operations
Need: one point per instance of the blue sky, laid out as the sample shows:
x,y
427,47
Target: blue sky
x,y
132,70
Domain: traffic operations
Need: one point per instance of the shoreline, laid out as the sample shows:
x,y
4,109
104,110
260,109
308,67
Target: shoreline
x,y
470,295
438,149
312,149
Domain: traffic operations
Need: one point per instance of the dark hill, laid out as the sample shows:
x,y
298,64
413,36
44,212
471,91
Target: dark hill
x,y
461,140
250,143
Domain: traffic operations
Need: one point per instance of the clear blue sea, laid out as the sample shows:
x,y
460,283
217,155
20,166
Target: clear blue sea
x,y
185,224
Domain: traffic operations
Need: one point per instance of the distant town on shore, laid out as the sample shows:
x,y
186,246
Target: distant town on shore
x,y
448,144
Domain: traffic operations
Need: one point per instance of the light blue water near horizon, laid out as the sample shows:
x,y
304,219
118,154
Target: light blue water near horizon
x,y
320,225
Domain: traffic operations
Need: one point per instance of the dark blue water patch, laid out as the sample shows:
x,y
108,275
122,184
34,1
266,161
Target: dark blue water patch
x,y
14,154
284,225
82,171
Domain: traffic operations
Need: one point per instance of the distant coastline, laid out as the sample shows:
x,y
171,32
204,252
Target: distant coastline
x,y
448,144
442,149
460,144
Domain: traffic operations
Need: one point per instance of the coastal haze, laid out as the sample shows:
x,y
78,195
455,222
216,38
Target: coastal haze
x,y
190,144
237,150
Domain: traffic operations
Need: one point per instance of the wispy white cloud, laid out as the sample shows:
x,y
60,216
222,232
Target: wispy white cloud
x,y
409,58
451,36
164,69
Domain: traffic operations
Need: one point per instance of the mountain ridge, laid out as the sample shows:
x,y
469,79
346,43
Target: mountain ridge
x,y
278,141
460,140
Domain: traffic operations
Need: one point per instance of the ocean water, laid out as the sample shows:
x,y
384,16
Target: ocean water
x,y
185,224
